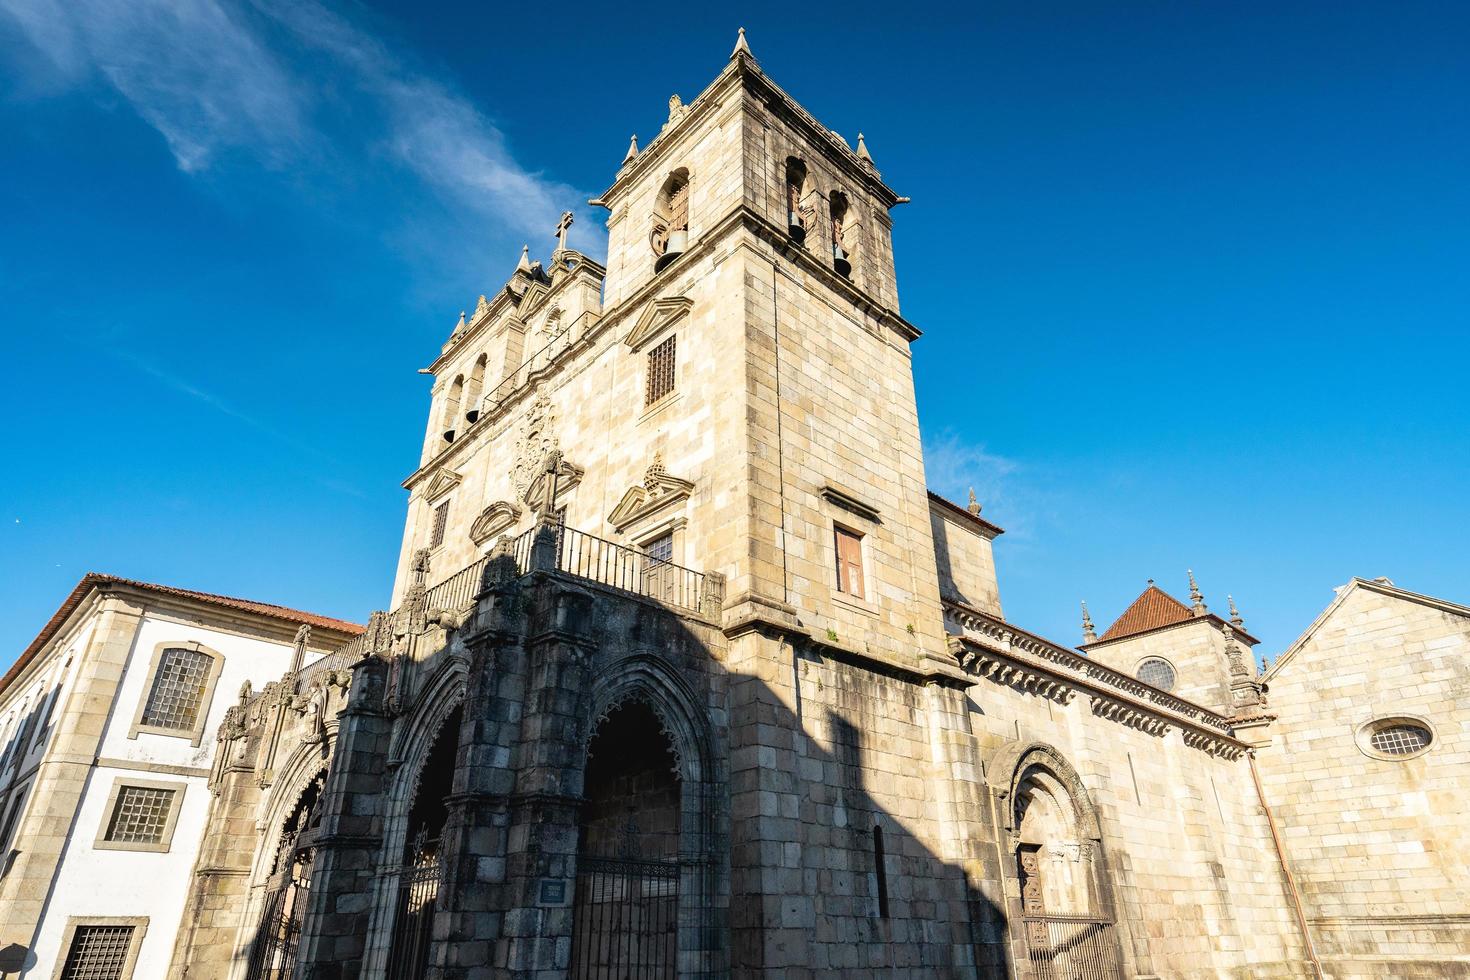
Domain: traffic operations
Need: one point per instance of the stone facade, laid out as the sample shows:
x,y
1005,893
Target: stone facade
x,y
688,674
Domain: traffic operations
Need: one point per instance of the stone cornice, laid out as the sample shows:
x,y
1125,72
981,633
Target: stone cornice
x,y
997,651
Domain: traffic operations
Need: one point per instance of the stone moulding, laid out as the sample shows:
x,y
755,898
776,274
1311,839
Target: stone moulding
x,y
996,651
493,520
657,317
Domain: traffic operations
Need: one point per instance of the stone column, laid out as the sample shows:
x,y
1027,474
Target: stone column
x,y
349,841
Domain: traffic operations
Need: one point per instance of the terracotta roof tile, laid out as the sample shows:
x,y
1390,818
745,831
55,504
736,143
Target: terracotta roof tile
x,y
95,579
1152,609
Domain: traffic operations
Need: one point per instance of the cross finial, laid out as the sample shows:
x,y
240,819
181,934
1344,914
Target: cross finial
x,y
562,228
1196,596
974,507
1235,618
741,45
1089,633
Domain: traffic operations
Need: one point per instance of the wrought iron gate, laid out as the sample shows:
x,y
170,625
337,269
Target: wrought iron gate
x,y
625,920
413,920
1072,947
273,956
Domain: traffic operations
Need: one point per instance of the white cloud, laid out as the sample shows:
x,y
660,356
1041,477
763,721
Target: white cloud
x,y
193,69
212,75
953,465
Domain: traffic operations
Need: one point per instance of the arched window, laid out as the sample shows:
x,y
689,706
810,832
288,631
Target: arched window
x,y
670,235
180,686
474,389
422,870
800,210
451,407
844,233
625,919
1158,672
273,955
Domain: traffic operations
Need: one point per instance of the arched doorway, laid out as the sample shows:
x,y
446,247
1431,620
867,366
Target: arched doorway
x,y
626,906
1065,905
273,953
422,871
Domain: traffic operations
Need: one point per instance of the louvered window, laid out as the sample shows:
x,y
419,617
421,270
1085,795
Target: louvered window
x,y
98,953
140,815
441,521
178,689
679,209
849,549
660,372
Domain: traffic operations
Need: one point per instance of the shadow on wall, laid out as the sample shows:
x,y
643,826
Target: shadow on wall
x,y
622,802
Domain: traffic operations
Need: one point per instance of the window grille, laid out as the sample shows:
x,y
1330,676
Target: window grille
x,y
849,548
660,372
140,815
660,550
178,689
1401,739
98,953
1158,673
441,521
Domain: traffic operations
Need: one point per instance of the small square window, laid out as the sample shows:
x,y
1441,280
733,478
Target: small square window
x,y
98,952
849,554
441,521
140,815
660,380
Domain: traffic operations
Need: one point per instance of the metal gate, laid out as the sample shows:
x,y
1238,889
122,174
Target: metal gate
x,y
625,920
273,956
413,919
1072,947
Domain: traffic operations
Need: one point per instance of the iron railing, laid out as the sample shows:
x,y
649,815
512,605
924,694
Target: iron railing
x,y
530,366
1072,947
625,920
413,921
273,956
563,549
628,569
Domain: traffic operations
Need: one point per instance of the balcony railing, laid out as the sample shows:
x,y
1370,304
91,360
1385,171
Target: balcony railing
x,y
548,547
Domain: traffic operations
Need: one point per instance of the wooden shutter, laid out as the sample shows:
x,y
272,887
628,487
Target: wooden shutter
x,y
849,561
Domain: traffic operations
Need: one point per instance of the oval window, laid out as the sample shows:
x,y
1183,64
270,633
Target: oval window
x,y
1158,672
1399,737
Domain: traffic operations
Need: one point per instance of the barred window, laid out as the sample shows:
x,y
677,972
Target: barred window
x,y
1401,739
98,953
660,550
178,689
441,521
660,372
140,815
1158,672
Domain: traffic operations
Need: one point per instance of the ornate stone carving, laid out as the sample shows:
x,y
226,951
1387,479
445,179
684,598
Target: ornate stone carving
x,y
536,439
499,516
658,490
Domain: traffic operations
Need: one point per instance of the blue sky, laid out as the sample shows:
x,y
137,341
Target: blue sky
x,y
1193,277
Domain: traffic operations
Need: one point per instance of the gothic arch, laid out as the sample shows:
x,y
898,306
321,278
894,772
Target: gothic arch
x,y
443,693
646,678
302,768
1013,764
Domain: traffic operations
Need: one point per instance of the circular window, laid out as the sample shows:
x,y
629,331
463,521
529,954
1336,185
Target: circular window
x,y
1395,738
1158,672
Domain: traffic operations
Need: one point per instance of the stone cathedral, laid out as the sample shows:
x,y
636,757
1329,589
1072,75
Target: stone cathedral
x,y
688,674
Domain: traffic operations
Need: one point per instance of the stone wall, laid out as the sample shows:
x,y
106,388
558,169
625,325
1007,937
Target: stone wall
x,y
1377,842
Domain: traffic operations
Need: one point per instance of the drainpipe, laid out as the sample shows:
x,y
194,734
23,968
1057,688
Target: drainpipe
x,y
1296,897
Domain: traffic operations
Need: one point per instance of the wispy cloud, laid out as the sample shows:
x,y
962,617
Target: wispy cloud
x,y
218,75
185,387
954,464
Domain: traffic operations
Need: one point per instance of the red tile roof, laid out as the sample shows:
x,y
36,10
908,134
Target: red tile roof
x,y
97,580
1153,609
